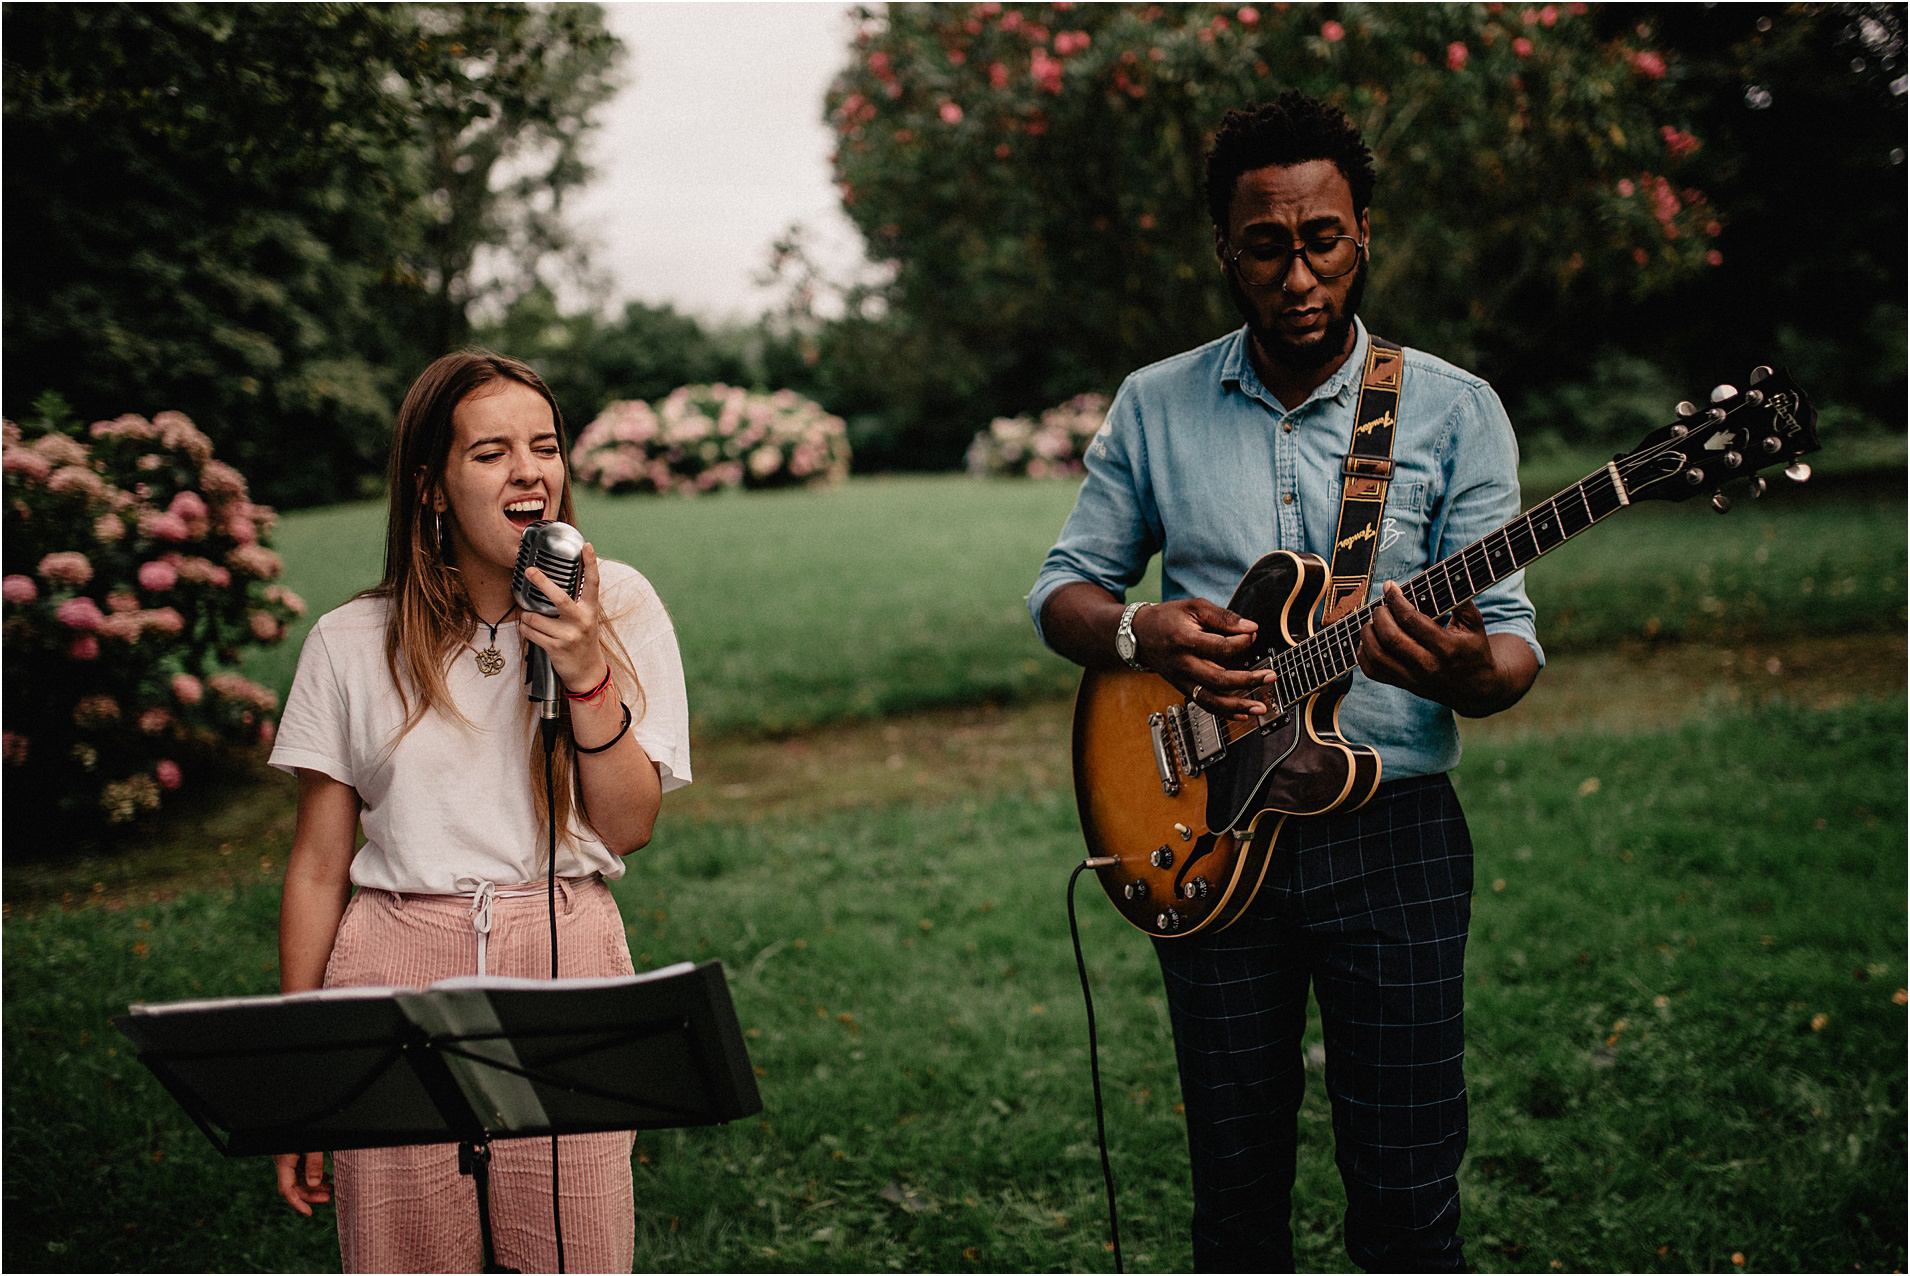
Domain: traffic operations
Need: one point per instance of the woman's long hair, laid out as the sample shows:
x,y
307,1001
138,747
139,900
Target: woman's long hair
x,y
430,617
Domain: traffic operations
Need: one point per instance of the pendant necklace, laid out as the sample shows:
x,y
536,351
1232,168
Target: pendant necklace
x,y
490,661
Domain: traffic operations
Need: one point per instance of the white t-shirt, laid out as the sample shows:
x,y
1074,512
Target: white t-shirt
x,y
453,803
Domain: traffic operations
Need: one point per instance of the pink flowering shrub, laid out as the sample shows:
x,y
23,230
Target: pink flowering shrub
x,y
135,572
700,438
1054,445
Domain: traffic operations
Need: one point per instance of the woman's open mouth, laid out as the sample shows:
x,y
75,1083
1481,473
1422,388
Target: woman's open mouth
x,y
524,511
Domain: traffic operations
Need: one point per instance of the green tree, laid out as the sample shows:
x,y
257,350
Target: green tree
x,y
269,216
503,111
1031,176
644,353
1803,116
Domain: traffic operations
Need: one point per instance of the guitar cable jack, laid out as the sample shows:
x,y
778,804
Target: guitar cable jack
x,y
1100,861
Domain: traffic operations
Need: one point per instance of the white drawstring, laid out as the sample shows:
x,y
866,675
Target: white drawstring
x,y
481,896
483,893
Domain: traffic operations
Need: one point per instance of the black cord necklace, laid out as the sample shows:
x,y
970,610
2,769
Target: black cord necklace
x,y
490,661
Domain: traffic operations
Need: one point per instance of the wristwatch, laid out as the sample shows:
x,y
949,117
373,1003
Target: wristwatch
x,y
1124,646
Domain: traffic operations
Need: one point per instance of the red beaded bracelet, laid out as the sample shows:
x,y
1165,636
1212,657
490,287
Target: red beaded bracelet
x,y
594,692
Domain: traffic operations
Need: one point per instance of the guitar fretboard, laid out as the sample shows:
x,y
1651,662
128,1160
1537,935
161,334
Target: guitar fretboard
x,y
1330,653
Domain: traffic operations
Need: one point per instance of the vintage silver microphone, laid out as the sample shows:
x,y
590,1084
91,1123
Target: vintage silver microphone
x,y
557,549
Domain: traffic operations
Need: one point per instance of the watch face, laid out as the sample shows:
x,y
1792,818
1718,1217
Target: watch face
x,y
1124,644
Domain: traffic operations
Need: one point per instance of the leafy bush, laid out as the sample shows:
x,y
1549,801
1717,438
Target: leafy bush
x,y
1055,445
135,571
704,437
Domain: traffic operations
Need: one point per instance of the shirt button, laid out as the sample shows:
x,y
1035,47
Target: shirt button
x,y
1286,498
1287,426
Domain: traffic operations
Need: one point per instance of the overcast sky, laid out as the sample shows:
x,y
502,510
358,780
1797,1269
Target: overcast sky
x,y
714,146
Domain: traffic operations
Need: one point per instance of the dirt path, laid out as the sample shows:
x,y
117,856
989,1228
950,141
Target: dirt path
x,y
939,756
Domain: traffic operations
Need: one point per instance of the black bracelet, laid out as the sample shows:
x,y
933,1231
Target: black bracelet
x,y
612,740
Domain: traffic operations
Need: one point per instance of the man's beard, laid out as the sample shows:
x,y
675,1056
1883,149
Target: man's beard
x,y
1331,343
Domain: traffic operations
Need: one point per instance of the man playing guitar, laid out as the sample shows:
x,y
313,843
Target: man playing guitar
x,y
1212,459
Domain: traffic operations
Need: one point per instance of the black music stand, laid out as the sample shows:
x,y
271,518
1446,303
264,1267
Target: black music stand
x,y
466,1060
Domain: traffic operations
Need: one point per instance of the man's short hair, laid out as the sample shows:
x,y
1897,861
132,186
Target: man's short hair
x,y
1292,129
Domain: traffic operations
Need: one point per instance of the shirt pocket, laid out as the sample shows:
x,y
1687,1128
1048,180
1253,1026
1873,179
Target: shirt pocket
x,y
1405,532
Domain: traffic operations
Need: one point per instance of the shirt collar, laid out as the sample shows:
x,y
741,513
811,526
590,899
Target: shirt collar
x,y
1237,369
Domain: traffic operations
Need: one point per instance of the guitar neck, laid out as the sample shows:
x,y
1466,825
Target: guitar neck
x,y
1332,652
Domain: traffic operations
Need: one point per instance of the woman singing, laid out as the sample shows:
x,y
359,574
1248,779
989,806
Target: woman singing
x,y
409,718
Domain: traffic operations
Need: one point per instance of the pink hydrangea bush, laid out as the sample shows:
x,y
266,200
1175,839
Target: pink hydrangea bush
x,y
1053,446
135,572
701,438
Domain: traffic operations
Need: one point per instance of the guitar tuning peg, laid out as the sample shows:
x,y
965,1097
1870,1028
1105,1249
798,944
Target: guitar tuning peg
x,y
1687,408
1761,373
1758,485
1797,472
1722,392
1720,502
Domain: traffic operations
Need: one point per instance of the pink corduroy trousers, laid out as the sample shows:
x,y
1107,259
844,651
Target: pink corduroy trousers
x,y
408,1209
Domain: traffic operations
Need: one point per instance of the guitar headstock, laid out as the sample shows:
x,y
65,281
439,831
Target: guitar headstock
x,y
1741,432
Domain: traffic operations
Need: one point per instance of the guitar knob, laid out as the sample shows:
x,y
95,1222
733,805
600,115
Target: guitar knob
x,y
1720,502
1694,476
1761,373
1758,486
1797,472
1161,858
1719,393
1195,888
1136,889
1168,922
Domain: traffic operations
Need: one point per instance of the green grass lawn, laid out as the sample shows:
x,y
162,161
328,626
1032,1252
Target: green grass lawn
x,y
1685,1024
890,595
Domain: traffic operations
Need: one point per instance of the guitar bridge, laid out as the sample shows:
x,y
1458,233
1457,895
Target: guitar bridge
x,y
1196,737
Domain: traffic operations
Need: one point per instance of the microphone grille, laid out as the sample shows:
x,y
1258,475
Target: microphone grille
x,y
557,550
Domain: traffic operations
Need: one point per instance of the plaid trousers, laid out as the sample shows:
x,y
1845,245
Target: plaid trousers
x,y
1371,908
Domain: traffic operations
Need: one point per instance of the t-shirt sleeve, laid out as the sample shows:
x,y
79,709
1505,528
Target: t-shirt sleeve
x,y
661,722
314,731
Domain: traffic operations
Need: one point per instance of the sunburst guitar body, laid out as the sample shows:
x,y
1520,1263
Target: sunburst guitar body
x,y
1193,845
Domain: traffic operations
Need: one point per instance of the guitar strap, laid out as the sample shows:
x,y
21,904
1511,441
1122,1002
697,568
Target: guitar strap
x,y
1368,471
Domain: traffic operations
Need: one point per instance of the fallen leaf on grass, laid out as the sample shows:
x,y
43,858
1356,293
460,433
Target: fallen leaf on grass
x,y
907,1198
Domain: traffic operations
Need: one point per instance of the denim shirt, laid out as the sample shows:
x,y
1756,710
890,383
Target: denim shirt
x,y
1200,463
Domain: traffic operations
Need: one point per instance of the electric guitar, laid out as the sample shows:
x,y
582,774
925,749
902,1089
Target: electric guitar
x,y
1185,804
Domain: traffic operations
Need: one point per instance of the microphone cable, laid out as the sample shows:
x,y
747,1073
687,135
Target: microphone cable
x,y
548,728
1094,1053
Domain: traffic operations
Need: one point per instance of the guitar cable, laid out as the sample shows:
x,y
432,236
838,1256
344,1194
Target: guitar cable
x,y
1094,1054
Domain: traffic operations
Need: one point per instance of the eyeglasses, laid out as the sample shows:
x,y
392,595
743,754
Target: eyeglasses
x,y
1327,256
